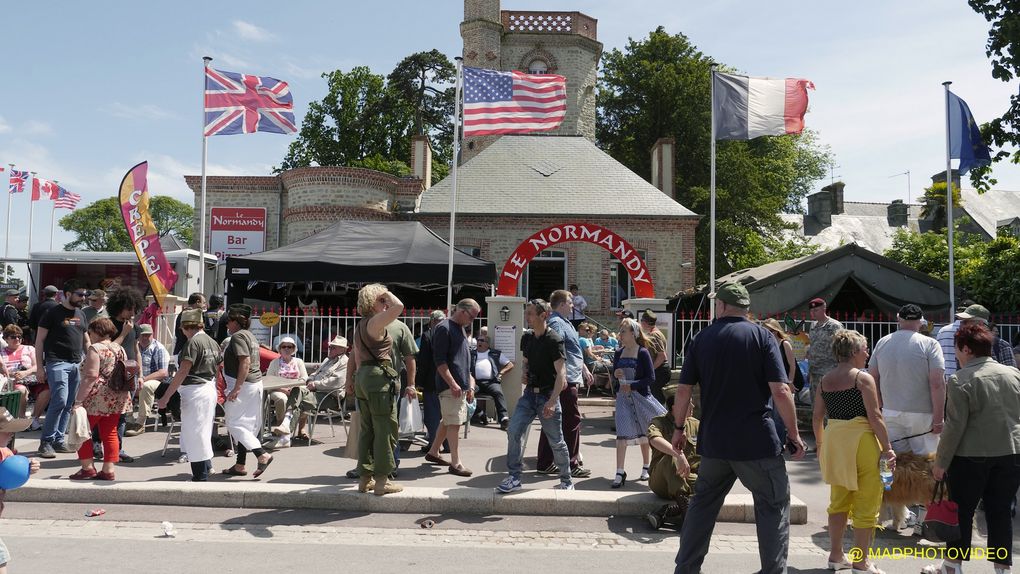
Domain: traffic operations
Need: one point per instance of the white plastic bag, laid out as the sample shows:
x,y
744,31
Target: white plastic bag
x,y
78,430
410,417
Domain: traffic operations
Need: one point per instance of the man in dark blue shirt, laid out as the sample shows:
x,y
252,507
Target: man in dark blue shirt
x,y
738,365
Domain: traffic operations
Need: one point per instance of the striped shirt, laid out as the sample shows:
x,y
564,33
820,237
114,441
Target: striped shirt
x,y
945,339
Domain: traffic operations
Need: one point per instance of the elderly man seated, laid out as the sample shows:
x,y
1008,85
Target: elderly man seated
x,y
667,476
330,375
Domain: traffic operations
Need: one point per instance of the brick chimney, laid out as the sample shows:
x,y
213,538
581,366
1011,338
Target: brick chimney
x,y
663,170
421,160
826,203
896,213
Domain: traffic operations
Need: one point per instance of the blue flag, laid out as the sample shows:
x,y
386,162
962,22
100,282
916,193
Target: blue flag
x,y
965,143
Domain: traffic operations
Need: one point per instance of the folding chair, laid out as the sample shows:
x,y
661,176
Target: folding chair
x,y
322,409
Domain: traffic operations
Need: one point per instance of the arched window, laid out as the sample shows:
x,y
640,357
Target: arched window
x,y
538,67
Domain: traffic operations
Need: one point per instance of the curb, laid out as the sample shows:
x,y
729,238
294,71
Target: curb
x,y
413,500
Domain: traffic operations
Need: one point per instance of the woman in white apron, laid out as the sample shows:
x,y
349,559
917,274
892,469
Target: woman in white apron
x,y
195,382
244,391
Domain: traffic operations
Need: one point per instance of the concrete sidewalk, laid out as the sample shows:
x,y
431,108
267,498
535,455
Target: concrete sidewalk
x,y
313,477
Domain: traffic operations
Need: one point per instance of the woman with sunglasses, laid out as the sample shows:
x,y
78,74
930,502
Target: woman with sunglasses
x,y
635,405
19,361
287,366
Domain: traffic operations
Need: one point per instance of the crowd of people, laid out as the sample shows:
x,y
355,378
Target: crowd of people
x,y
953,397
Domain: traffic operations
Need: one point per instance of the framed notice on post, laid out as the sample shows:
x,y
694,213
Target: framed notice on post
x,y
504,340
237,231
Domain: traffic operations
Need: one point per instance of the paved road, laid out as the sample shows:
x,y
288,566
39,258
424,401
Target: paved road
x,y
225,540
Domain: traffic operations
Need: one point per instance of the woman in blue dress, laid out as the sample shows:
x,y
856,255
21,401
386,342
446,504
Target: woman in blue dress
x,y
635,405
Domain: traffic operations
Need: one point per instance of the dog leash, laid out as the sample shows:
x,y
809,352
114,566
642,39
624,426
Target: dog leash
x,y
911,436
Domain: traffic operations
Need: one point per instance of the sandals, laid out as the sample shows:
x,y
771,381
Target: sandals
x,y
620,480
262,468
843,564
872,569
232,471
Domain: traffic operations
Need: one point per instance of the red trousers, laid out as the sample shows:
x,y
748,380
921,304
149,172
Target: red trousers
x,y
107,433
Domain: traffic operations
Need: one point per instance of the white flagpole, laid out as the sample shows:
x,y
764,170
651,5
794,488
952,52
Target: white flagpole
x,y
949,208
453,181
7,241
31,217
201,210
711,250
53,214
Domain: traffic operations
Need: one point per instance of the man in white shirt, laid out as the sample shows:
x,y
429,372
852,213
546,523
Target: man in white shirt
x,y
154,362
489,367
909,370
577,315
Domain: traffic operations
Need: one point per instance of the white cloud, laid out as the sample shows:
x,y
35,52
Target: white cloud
x,y
137,111
4,126
249,31
36,128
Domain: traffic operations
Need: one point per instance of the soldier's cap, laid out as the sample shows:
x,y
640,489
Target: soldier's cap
x,y
910,312
625,314
12,293
732,294
816,302
191,316
975,312
240,308
145,329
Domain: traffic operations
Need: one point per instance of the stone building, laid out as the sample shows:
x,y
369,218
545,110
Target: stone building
x,y
509,187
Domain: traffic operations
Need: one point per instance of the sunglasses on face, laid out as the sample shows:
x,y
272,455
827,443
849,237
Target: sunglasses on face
x,y
287,347
12,337
483,340
79,293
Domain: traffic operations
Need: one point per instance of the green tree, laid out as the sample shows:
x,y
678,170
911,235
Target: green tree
x,y
934,200
660,87
929,252
993,278
16,281
1003,50
367,120
99,226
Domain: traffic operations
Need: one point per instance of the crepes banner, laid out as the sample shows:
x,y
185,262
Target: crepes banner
x,y
134,206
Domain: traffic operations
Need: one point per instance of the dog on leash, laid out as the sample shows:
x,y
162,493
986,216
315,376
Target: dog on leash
x,y
912,484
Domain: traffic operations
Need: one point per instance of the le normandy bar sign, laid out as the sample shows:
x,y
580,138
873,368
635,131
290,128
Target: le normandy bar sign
x,y
235,231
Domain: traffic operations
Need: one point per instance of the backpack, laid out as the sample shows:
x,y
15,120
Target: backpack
x,y
124,374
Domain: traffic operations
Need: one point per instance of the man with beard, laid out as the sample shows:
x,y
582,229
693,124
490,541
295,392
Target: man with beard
x,y
60,344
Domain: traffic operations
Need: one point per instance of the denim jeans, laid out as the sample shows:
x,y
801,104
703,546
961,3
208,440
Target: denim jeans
x,y
529,406
63,379
431,415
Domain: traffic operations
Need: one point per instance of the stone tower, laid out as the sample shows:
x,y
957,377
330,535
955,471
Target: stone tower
x,y
564,43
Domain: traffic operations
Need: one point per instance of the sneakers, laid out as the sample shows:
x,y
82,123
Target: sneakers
x,y
133,429
46,450
62,447
283,428
580,472
564,485
510,484
504,423
551,469
280,442
36,424
182,459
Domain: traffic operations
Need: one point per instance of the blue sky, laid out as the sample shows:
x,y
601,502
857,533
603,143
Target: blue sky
x,y
104,85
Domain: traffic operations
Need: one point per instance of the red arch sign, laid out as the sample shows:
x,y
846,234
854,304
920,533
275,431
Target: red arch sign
x,y
567,232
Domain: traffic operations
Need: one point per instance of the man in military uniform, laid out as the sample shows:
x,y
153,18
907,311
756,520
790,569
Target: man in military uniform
x,y
665,478
819,354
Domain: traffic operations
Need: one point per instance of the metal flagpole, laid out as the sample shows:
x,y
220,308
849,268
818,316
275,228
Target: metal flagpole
x,y
7,242
31,217
53,214
201,209
453,180
711,249
949,208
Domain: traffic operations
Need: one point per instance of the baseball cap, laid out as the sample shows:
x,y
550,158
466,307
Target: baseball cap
x,y
338,341
975,312
50,290
145,329
732,294
816,302
910,312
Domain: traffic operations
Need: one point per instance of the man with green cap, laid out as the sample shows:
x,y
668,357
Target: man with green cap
x,y
667,478
738,367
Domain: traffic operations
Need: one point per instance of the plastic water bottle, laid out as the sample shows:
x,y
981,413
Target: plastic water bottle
x,y
885,472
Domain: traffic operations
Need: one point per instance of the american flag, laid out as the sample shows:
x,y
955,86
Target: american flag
x,y
65,199
18,181
41,187
512,102
243,104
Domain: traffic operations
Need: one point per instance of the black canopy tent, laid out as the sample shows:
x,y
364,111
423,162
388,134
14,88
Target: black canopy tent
x,y
359,252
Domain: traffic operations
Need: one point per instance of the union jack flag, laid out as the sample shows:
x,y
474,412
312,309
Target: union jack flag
x,y
19,179
243,104
65,199
45,187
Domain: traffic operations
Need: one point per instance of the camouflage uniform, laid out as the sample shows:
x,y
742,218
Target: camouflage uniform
x,y
819,355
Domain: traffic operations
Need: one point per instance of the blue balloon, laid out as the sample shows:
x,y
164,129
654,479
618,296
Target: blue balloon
x,y
13,472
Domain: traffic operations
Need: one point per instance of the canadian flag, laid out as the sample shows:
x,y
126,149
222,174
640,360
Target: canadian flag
x,y
45,187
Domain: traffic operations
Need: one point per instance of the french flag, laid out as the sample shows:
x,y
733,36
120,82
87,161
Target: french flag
x,y
745,107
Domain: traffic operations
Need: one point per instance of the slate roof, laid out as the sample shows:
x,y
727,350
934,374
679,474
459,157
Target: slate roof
x,y
863,223
535,174
987,209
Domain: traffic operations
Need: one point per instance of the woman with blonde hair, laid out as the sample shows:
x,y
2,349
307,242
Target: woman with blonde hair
x,y
855,440
635,405
376,384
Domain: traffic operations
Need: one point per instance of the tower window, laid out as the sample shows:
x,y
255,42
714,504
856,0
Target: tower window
x,y
538,67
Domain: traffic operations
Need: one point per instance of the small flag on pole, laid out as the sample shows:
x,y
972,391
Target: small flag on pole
x,y
243,104
65,199
512,102
18,181
745,107
965,143
45,187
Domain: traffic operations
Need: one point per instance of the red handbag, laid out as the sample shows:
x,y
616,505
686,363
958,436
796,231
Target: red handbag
x,y
941,518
